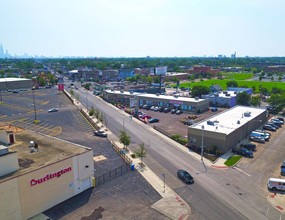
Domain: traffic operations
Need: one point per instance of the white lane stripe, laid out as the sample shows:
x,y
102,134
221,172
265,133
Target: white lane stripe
x,y
241,171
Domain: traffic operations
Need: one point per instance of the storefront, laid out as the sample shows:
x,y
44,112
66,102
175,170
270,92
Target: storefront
x,y
45,177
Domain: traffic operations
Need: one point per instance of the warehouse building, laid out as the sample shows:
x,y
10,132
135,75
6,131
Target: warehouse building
x,y
38,172
7,84
223,131
139,99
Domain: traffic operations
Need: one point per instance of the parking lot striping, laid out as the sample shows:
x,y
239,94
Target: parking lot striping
x,y
16,107
87,121
38,110
241,171
44,103
56,131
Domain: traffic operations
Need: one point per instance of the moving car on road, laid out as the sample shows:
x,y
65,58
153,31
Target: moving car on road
x,y
185,176
53,110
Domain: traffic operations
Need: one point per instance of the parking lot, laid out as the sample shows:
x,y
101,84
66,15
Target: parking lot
x,y
173,124
68,124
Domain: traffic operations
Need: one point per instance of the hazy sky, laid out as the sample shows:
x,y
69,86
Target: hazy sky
x,y
139,28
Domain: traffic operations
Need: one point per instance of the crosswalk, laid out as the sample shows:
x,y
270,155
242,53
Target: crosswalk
x,y
40,127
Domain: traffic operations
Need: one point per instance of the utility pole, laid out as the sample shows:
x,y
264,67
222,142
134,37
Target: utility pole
x,y
202,147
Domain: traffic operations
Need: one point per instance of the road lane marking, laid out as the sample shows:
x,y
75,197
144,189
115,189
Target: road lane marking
x,y
241,171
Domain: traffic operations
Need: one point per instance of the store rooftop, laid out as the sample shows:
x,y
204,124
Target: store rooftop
x,y
228,121
50,150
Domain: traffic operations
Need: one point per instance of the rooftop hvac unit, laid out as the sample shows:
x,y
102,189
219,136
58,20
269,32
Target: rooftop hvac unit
x,y
228,94
175,96
210,123
122,91
196,98
247,114
157,94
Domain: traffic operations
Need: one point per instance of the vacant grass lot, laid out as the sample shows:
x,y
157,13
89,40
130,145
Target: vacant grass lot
x,y
237,76
241,83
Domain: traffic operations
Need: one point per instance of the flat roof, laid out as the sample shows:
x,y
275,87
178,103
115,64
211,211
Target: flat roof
x,y
171,97
148,95
122,93
51,150
13,79
227,121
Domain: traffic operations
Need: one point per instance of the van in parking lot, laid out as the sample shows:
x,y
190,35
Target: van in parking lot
x,y
260,135
276,184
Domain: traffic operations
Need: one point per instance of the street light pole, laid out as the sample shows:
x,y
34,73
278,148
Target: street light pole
x,y
34,105
87,99
202,147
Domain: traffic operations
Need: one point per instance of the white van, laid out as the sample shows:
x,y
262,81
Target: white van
x,y
261,135
276,184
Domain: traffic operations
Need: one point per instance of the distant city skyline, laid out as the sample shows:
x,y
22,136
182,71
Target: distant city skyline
x,y
132,28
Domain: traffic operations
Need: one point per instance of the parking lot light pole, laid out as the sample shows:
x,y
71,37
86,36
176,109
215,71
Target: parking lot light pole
x,y
34,105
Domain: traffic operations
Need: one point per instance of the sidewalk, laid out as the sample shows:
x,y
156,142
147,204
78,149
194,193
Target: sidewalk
x,y
277,201
171,204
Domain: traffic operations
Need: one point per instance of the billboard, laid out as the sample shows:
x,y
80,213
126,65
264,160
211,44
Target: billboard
x,y
161,70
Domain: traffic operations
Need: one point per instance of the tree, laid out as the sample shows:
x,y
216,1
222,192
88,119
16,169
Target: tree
x,y
199,90
141,152
275,90
260,77
125,139
243,98
255,100
232,83
277,101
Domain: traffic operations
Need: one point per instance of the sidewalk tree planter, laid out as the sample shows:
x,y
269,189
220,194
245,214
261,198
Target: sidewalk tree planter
x,y
141,153
125,139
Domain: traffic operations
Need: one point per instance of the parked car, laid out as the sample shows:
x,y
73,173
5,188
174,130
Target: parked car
x,y
160,109
143,116
173,111
257,139
280,118
100,133
249,146
53,110
263,131
282,172
277,121
243,152
178,112
145,106
156,108
152,108
185,176
189,122
153,120
166,110
273,125
269,128
214,109
260,134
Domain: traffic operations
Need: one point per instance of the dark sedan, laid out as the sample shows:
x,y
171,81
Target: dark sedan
x,y
153,120
185,176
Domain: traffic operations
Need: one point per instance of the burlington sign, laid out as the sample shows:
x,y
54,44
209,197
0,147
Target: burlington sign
x,y
50,176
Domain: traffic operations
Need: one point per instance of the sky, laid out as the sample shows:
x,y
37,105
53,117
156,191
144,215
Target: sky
x,y
140,28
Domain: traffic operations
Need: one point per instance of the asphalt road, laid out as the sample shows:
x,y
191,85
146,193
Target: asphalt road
x,y
234,193
68,124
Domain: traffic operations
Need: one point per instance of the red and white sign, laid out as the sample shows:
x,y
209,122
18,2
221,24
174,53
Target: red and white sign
x,y
60,87
50,176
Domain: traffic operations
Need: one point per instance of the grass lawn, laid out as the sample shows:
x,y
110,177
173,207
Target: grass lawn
x,y
241,83
232,160
237,76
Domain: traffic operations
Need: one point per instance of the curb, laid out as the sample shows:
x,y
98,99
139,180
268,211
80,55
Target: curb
x,y
220,167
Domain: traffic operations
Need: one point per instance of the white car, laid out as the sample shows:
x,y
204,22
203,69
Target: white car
x,y
53,110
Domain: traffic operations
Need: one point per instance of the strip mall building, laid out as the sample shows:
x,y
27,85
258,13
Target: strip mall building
x,y
34,178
